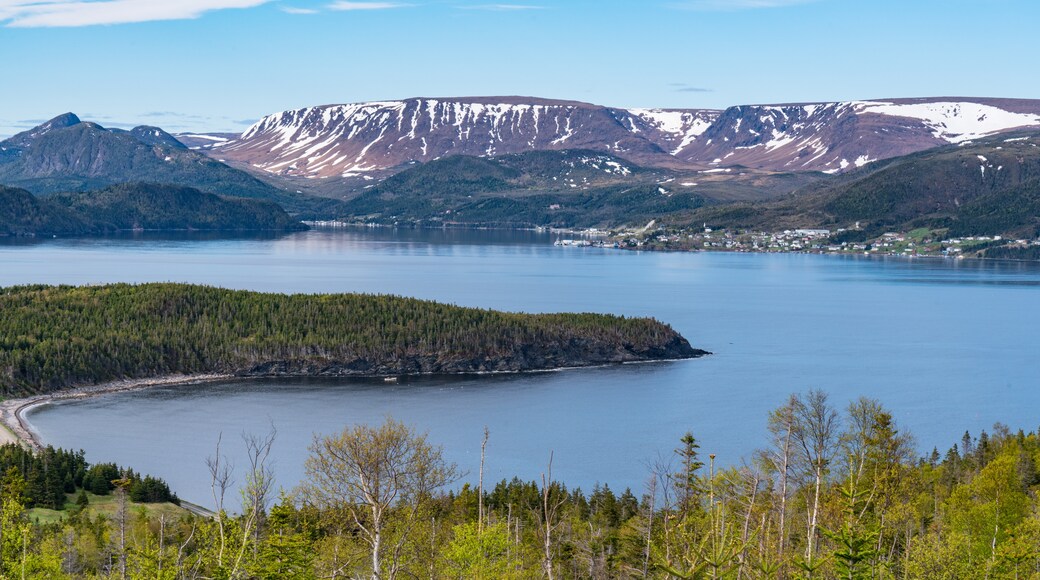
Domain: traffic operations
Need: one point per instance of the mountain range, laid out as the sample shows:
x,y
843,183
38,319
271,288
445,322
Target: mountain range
x,y
522,161
367,141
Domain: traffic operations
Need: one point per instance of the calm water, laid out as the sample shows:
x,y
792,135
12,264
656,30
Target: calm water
x,y
948,346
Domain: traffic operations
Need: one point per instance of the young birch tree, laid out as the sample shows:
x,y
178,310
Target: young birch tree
x,y
375,474
816,432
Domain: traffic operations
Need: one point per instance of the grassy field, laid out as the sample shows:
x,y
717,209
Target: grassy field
x,y
107,505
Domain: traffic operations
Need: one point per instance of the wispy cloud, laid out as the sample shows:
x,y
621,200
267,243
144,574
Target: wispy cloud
x,y
295,10
174,121
346,5
171,114
69,13
687,88
730,5
503,7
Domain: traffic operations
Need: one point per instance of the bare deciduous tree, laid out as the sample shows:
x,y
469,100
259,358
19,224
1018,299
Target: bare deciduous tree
x,y
779,457
373,474
550,519
480,484
816,432
221,474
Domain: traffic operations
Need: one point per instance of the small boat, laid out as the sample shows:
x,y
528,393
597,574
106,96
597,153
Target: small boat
x,y
389,379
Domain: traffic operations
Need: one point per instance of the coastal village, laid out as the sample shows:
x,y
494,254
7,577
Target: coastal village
x,y
919,242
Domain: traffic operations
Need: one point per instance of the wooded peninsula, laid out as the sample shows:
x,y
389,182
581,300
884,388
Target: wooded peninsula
x,y
56,337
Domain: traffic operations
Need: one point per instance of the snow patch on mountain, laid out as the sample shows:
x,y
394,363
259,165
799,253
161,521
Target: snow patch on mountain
x,y
682,127
955,122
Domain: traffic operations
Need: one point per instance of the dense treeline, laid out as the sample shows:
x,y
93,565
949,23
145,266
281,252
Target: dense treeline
x,y
45,478
54,337
833,494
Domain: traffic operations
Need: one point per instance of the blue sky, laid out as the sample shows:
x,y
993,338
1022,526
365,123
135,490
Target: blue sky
x,y
220,64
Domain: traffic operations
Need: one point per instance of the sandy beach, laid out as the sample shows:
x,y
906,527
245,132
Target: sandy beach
x,y
16,429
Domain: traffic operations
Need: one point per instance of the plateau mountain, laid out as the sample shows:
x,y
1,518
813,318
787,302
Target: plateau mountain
x,y
367,141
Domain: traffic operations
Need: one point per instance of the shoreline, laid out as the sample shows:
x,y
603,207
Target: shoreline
x,y
17,429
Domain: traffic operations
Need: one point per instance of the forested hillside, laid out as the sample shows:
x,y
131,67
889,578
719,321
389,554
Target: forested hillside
x,y
570,188
22,214
148,206
55,337
989,187
136,206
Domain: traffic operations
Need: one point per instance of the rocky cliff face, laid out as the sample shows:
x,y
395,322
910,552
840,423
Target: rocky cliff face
x,y
372,138
528,357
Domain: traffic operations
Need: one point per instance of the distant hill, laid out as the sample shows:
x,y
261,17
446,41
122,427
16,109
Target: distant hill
x,y
67,154
988,187
22,214
570,188
137,206
147,206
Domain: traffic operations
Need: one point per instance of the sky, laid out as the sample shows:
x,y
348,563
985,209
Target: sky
x,y
219,65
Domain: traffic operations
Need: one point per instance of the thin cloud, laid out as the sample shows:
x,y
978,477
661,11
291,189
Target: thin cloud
x,y
70,13
294,10
171,114
29,122
503,7
732,5
686,88
345,5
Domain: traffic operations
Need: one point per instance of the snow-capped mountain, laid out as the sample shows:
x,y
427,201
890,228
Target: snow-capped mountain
x,y
358,139
832,137
345,140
